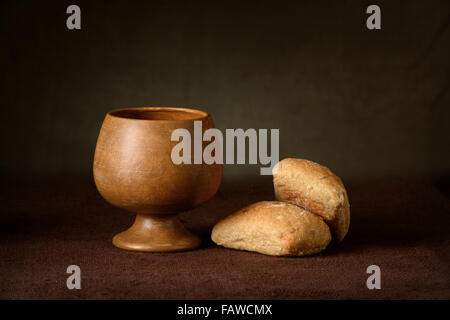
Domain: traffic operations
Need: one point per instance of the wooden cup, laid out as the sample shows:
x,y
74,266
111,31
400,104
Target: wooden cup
x,y
133,170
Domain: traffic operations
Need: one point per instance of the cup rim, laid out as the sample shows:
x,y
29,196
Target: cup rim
x,y
200,114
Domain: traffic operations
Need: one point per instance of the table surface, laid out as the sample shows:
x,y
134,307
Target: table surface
x,y
401,225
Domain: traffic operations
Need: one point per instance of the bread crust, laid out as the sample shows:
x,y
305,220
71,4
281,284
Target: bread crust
x,y
274,228
315,188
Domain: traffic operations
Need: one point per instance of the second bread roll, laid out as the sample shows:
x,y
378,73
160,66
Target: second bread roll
x,y
315,188
274,228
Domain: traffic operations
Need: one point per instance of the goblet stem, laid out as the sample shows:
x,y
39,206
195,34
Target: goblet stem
x,y
156,233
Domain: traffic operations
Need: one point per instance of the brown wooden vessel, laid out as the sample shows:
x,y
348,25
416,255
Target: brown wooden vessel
x,y
133,170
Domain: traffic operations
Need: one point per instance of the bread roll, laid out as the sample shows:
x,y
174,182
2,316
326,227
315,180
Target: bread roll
x,y
316,189
273,228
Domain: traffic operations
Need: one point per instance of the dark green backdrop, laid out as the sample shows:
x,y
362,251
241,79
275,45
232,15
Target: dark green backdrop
x,y
367,104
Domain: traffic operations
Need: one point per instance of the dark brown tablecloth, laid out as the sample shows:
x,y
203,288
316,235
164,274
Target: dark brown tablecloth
x,y
401,225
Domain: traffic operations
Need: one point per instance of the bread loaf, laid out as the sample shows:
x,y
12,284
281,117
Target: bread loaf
x,y
273,228
316,189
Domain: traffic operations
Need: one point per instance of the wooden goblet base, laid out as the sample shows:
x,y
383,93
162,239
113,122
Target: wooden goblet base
x,y
156,233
